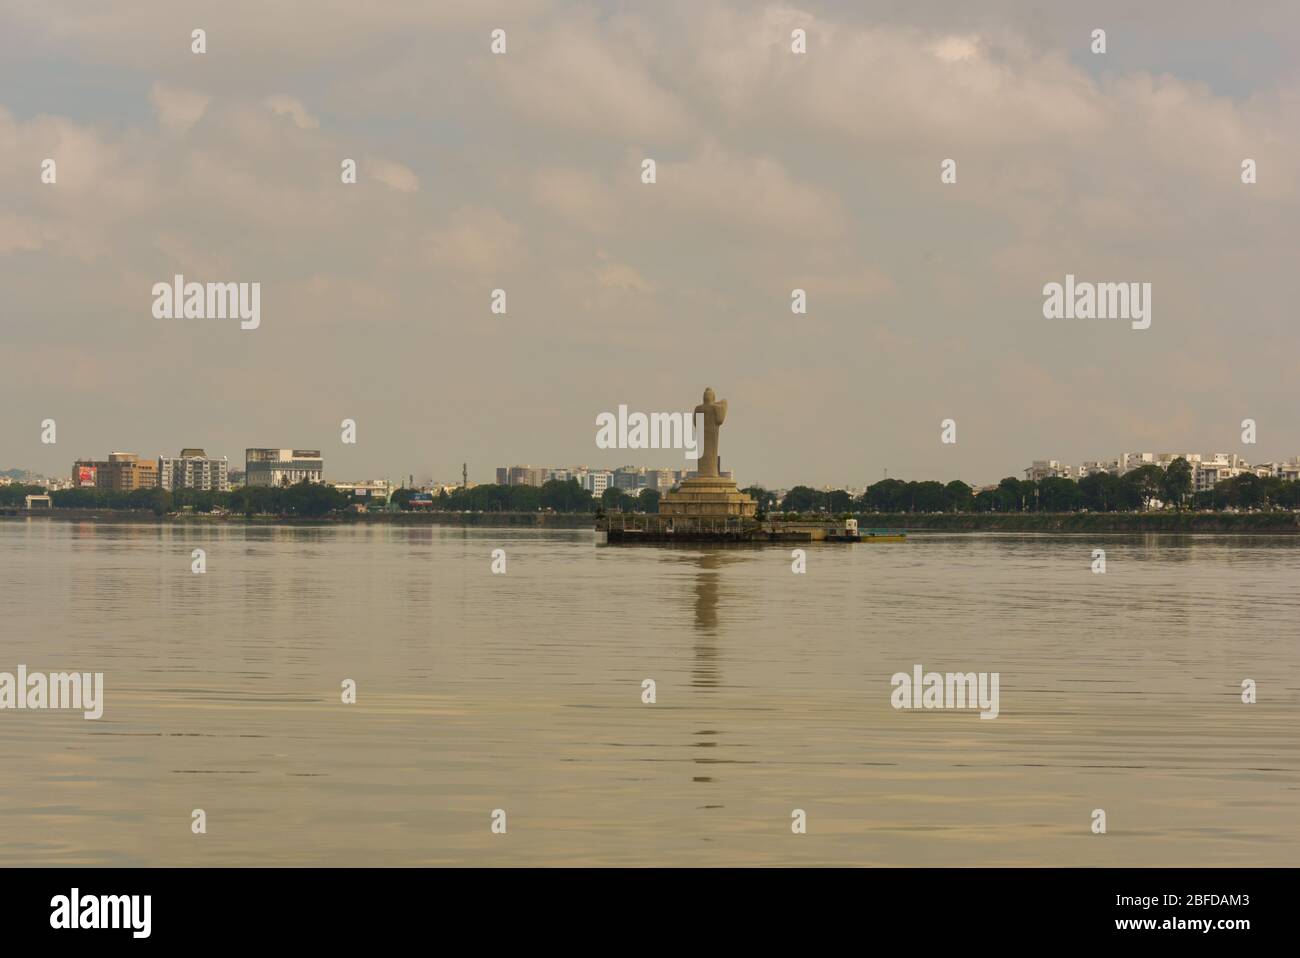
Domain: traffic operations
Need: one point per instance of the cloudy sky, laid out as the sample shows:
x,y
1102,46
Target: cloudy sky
x,y
775,171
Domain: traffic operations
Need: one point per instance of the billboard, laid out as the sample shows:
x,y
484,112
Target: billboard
x,y
86,476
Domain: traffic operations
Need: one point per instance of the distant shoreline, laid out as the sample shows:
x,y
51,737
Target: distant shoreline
x,y
1287,523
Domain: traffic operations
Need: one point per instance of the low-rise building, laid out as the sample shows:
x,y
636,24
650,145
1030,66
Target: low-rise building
x,y
282,467
120,472
1216,468
1048,469
1288,470
370,489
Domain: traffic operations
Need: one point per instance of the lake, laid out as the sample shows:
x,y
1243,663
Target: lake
x,y
522,692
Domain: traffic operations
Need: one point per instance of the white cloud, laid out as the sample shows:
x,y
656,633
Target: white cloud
x,y
956,49
393,175
177,109
478,241
282,105
620,276
573,77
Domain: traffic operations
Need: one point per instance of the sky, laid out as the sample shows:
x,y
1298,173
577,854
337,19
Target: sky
x,y
774,171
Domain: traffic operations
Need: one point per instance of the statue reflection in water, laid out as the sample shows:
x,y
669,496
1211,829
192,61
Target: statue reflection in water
x,y
705,673
707,582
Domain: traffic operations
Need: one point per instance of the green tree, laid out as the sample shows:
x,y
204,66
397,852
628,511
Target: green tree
x,y
1177,485
1288,494
565,495
887,495
16,493
957,496
1141,485
1014,494
1056,494
311,499
838,501
616,500
1099,492
1247,491
927,496
766,500
802,499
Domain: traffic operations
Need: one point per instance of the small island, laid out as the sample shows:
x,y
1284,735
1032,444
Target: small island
x,y
709,507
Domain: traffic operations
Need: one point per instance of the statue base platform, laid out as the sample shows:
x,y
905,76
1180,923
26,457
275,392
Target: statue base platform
x,y
711,497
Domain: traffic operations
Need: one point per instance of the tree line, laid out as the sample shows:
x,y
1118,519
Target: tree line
x,y
303,499
556,495
1137,490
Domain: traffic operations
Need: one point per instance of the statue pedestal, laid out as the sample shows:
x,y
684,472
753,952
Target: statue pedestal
x,y
707,497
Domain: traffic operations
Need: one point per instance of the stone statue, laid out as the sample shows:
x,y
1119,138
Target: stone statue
x,y
714,414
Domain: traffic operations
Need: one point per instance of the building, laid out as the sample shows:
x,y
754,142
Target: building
x,y
446,488
660,480
193,469
1216,468
120,472
597,481
282,467
1094,466
39,502
85,473
1206,470
1288,470
630,478
372,490
1135,460
521,475
1048,469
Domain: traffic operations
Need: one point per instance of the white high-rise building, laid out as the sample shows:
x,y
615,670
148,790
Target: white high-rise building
x,y
194,469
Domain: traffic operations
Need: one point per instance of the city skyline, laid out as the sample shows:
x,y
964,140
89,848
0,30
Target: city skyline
x,y
1216,465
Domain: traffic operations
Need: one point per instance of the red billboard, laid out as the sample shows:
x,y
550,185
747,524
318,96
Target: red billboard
x,y
85,475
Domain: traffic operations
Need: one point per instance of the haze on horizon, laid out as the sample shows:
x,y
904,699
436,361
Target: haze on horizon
x,y
775,172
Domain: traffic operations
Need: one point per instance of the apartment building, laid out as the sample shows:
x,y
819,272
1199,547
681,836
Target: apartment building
x,y
194,469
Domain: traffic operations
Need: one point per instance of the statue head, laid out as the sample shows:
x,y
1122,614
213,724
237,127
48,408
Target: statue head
x,y
709,395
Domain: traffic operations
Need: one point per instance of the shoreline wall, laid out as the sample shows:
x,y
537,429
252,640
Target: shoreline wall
x,y
1172,522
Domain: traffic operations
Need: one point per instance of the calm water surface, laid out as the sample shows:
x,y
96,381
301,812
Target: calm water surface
x,y
523,692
